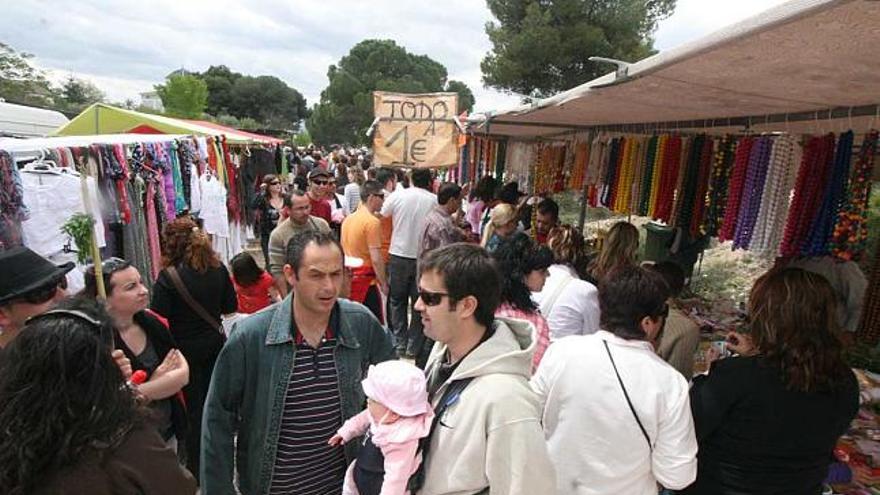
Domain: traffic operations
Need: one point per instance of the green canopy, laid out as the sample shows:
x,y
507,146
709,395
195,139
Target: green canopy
x,y
106,119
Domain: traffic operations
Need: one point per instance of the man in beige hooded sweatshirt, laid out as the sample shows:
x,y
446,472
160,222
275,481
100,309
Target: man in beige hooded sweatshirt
x,y
488,436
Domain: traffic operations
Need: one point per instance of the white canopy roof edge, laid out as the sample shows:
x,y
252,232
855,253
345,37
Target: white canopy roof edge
x,y
24,145
801,56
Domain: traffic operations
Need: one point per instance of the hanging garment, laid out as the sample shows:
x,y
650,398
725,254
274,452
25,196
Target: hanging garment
x,y
176,177
153,229
195,204
51,200
134,234
186,152
213,212
12,208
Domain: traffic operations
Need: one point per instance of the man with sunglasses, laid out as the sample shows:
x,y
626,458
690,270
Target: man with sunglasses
x,y
29,285
319,188
487,434
286,380
617,418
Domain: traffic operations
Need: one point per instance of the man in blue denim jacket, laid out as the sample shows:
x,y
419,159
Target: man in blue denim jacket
x,y
287,379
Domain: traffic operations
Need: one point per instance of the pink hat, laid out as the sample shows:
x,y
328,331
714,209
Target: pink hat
x,y
399,386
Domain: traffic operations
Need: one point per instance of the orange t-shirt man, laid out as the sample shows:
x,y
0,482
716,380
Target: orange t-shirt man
x,y
361,231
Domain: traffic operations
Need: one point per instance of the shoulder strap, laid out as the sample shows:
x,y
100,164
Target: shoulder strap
x,y
188,298
628,402
450,396
551,301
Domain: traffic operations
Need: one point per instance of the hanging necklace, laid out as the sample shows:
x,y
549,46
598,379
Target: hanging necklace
x,y
851,232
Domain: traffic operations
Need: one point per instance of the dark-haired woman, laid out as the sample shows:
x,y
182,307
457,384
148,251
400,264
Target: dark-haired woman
x,y
523,266
146,341
193,291
254,286
70,425
268,205
767,421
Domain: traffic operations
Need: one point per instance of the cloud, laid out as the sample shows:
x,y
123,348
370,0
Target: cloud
x,y
125,47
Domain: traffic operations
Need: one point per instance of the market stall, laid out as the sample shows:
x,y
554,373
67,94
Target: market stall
x,y
762,134
131,185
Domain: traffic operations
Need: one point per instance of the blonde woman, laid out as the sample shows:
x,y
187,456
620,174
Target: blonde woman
x,y
570,305
619,250
502,224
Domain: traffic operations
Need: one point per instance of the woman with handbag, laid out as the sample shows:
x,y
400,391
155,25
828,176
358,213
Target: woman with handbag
x,y
193,291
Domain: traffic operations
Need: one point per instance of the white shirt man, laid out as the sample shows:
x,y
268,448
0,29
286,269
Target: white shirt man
x,y
616,417
408,209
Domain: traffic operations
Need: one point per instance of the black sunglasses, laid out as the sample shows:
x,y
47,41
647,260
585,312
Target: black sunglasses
x,y
431,298
321,182
275,183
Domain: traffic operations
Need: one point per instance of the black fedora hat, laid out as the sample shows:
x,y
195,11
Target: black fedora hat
x,y
22,270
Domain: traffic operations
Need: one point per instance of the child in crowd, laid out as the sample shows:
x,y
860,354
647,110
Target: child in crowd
x,y
398,414
254,287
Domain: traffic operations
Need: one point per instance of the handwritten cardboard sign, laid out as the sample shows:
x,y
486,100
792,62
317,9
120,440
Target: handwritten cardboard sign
x,y
415,130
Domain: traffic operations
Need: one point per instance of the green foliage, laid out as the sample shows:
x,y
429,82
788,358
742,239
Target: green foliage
x,y
246,123
266,100
76,94
22,83
466,98
79,228
220,80
183,96
873,229
542,47
346,107
302,138
864,357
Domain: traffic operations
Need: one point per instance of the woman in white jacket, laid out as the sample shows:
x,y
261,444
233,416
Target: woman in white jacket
x,y
570,305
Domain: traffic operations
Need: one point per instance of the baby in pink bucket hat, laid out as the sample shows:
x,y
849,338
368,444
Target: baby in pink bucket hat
x,y
398,414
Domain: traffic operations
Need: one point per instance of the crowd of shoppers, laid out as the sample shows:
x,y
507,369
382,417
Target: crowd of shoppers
x,y
543,372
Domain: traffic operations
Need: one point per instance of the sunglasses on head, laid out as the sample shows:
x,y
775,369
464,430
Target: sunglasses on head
x,y
110,266
431,298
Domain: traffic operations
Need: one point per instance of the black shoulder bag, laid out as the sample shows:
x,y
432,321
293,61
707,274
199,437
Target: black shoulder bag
x,y
626,395
450,396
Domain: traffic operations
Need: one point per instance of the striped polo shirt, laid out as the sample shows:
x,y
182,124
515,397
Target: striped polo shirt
x,y
304,463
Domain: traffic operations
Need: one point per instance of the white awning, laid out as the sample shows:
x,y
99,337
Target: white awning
x,y
801,56
24,121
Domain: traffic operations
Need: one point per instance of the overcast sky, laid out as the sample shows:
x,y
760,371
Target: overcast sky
x,y
126,47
